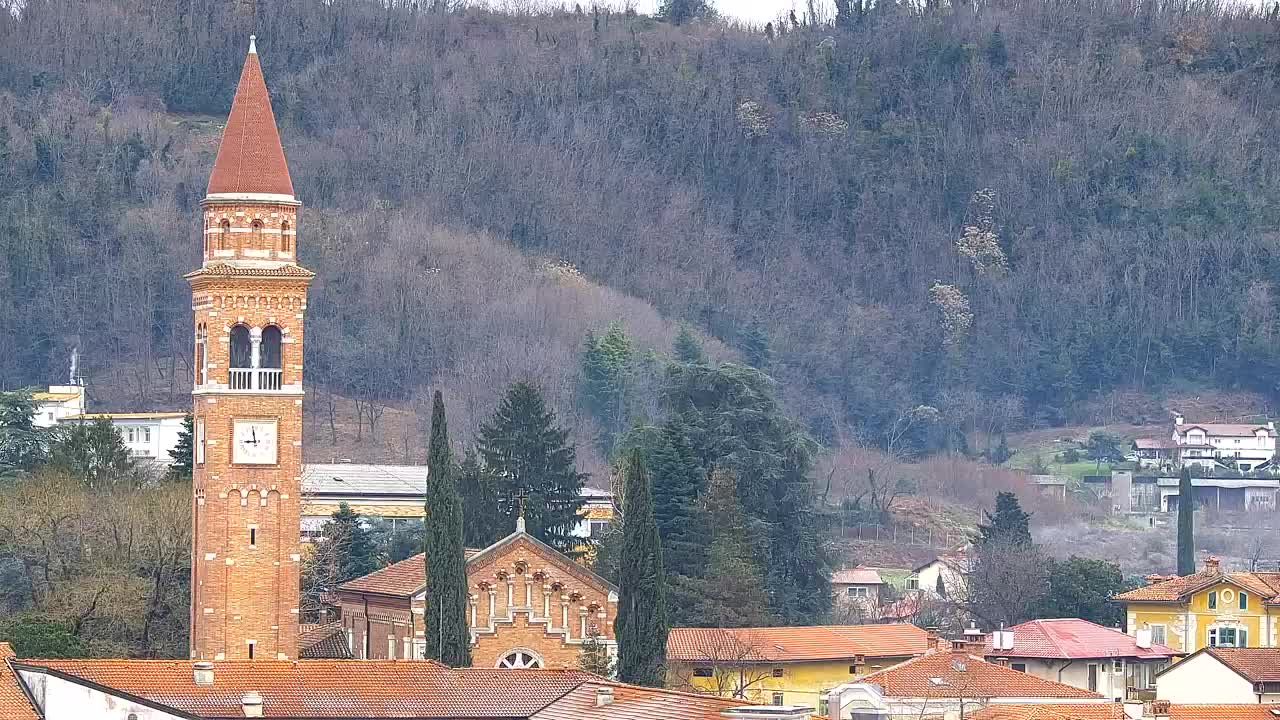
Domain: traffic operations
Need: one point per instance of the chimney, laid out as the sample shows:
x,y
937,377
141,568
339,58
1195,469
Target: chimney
x,y
931,639
604,696
252,704
1143,639
1212,565
1178,419
202,673
1160,709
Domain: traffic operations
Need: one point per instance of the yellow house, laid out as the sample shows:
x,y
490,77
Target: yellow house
x,y
787,665
1211,608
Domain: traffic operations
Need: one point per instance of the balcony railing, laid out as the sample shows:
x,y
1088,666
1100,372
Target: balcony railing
x,y
255,379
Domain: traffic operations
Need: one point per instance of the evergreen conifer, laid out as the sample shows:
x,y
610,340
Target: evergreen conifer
x,y
1009,523
641,624
182,455
1186,524
687,349
448,638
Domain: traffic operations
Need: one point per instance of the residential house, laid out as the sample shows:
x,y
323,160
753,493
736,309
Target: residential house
x,y
943,576
1125,711
1243,446
1223,675
1210,608
60,401
786,665
946,684
530,607
331,690
396,492
861,586
1082,654
149,436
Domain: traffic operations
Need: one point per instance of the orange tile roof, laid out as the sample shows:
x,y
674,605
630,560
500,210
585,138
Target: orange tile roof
x,y
1073,639
13,701
860,575
1265,585
631,702
957,674
1257,665
250,157
795,644
401,579
1050,711
318,642
329,688
218,269
1224,712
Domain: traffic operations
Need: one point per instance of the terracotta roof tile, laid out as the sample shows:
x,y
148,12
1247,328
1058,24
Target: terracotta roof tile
x,y
217,269
401,579
1263,585
250,157
955,674
1227,429
1224,712
330,688
13,701
789,644
323,642
857,576
1258,665
635,703
1073,638
1050,711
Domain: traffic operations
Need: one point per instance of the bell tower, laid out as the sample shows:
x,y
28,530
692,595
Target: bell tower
x,y
248,298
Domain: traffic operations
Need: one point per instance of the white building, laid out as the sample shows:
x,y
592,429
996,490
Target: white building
x,y
943,576
1223,675
1243,446
60,402
149,436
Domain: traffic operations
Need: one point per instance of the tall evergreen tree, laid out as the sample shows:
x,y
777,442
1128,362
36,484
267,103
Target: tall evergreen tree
x,y
1008,524
678,479
22,445
354,553
448,637
687,349
607,369
523,449
182,455
482,522
641,624
1186,523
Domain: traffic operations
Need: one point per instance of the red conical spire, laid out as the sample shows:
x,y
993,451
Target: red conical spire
x,y
250,158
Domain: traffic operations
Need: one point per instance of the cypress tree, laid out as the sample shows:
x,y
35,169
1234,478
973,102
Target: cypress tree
x,y
642,607
1186,523
448,638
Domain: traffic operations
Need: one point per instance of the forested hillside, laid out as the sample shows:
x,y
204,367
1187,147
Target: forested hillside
x,y
994,209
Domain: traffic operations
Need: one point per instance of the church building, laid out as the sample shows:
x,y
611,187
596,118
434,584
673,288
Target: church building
x,y
530,607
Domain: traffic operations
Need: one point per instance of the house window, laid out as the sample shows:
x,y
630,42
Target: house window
x,y
1093,677
1020,667
598,528
857,592
251,644
853,669
1244,601
128,434
1158,634
777,699
253,537
913,582
146,434
702,672
1213,601
1117,665
823,707
391,647
777,672
1228,636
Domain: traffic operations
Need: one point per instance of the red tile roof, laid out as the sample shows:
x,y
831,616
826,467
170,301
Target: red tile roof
x,y
856,576
631,702
1265,585
1073,639
219,269
957,674
330,688
1257,665
1227,429
1224,712
1050,711
794,644
13,701
250,157
401,579
323,642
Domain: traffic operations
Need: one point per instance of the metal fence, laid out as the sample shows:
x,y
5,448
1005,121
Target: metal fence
x,y
899,534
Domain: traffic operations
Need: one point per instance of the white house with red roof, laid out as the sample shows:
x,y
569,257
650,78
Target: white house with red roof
x,y
1082,654
1223,675
1244,446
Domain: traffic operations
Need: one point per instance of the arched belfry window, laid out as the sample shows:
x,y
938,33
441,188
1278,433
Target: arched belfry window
x,y
269,355
241,347
224,236
256,226
285,240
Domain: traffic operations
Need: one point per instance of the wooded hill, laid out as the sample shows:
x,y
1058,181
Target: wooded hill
x,y
994,209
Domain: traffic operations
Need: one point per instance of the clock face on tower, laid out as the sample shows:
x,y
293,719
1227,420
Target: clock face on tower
x,y
254,442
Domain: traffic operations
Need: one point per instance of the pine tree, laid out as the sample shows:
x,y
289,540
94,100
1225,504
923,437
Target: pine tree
x,y
354,551
678,480
93,453
482,521
641,624
755,347
183,453
687,349
448,638
1186,524
997,53
22,444
1009,523
607,369
523,449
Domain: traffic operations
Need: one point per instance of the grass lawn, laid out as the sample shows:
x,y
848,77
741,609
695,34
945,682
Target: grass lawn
x,y
1023,460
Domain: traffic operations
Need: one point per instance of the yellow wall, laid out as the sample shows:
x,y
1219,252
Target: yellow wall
x,y
1261,622
802,683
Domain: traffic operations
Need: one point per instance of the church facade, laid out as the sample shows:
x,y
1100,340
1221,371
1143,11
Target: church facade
x,y
248,300
530,607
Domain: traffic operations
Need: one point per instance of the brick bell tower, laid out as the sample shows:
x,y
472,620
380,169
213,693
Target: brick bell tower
x,y
248,298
